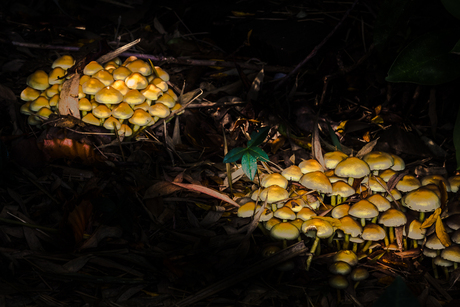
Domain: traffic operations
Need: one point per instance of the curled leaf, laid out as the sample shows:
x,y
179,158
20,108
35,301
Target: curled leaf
x,y
441,233
431,219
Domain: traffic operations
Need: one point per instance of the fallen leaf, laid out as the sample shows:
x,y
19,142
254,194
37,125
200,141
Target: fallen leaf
x,y
208,191
441,233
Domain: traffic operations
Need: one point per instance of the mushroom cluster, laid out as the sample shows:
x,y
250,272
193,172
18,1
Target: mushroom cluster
x,y
117,95
349,202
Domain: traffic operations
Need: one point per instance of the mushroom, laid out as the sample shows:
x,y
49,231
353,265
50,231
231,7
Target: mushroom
x,y
372,232
351,168
378,160
318,229
311,165
292,173
274,179
316,181
392,218
422,200
350,227
363,210
331,159
359,274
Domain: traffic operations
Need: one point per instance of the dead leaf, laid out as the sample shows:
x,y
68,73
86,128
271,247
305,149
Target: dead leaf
x,y
441,233
69,149
367,148
316,145
68,99
161,188
431,219
74,265
208,191
78,219
101,233
333,221
255,86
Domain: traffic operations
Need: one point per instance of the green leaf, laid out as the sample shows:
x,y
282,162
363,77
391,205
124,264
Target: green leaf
x,y
234,155
334,138
397,295
249,164
259,154
258,137
427,60
453,7
456,139
391,18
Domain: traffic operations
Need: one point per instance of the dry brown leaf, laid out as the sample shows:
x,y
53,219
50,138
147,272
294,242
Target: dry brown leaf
x,y
441,233
68,99
101,233
431,219
78,219
334,222
208,191
161,188
69,149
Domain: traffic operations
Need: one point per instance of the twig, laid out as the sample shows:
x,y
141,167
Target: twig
x,y
317,47
170,60
283,255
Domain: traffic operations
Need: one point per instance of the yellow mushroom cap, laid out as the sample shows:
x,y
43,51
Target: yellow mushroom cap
x,y
340,267
160,110
161,73
37,104
451,253
311,165
271,222
91,119
108,95
29,94
422,200
140,118
104,76
435,179
347,256
340,211
92,86
316,181
91,68
323,228
38,80
112,123
25,108
399,164
122,111
380,202
363,209
343,189
415,232
162,85
152,92
84,104
352,167
373,232
171,93
292,173
284,231
140,66
359,274
454,183
273,194
378,160
274,179
247,210
285,213
387,174
331,159
433,242
133,97
125,130
65,62
408,183
167,100
102,111
392,218
56,76
338,282
120,86
350,226
121,73
136,81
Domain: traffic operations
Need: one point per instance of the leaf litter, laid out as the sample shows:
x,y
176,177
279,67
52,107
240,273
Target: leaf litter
x,y
90,219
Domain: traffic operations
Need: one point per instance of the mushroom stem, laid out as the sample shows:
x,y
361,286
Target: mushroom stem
x,y
312,251
366,246
435,269
421,217
346,241
333,200
392,234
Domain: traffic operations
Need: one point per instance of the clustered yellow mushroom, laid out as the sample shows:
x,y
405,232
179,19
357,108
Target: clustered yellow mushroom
x,y
109,94
351,194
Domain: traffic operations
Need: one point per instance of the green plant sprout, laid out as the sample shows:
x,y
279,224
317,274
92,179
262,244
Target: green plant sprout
x,y
251,154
